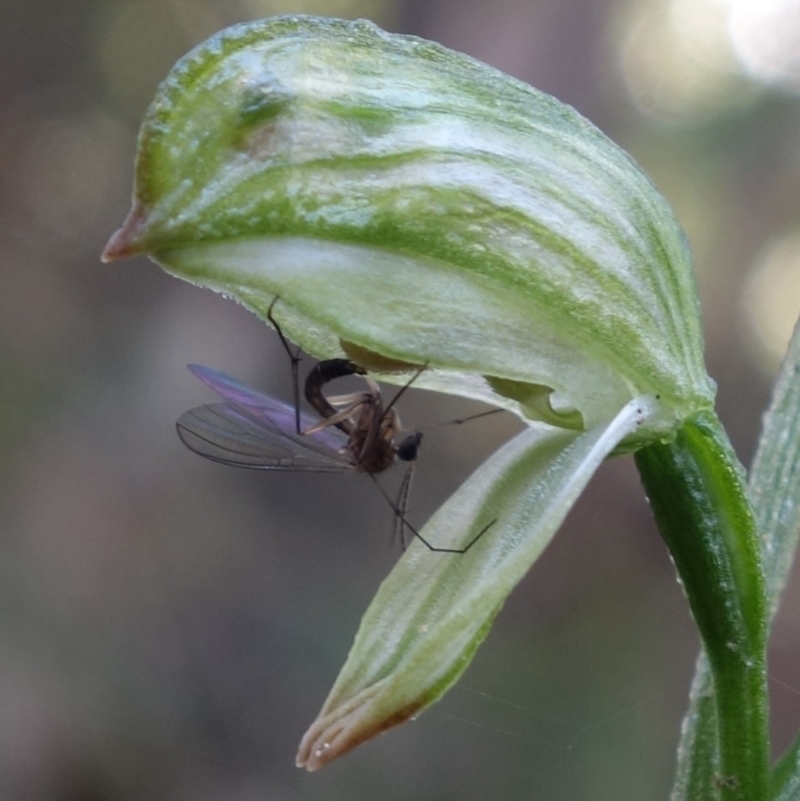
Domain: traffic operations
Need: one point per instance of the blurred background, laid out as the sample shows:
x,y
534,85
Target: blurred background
x,y
170,627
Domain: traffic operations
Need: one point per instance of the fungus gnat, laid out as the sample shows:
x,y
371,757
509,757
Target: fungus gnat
x,y
355,432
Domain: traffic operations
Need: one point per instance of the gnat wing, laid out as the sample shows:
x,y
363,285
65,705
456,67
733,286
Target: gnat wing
x,y
254,430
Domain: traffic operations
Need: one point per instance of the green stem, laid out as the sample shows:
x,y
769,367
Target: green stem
x,y
697,492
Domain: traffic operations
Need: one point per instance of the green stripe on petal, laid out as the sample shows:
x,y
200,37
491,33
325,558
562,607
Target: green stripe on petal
x,y
494,215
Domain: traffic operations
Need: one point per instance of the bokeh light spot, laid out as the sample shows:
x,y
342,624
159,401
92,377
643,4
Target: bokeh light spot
x,y
772,300
765,35
678,64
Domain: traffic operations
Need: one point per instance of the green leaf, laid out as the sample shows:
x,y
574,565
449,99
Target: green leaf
x,y
698,765
775,476
786,775
432,612
775,493
414,204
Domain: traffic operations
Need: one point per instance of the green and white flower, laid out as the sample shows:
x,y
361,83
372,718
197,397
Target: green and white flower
x,y
411,206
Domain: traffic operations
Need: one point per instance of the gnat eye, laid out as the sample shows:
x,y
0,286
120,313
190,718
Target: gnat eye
x,y
408,448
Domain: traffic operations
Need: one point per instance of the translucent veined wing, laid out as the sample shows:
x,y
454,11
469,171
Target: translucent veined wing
x,y
254,430
283,415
